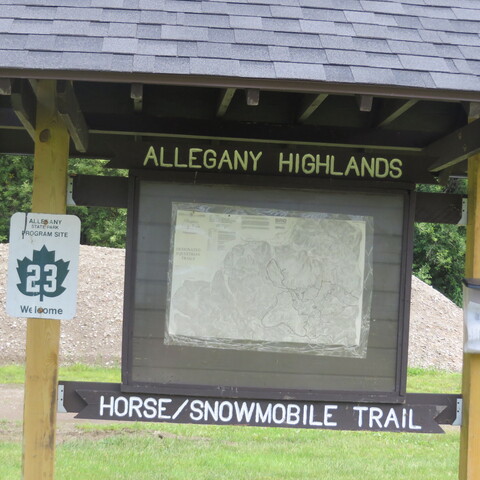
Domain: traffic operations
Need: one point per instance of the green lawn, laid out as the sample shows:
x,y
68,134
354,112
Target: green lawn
x,y
418,380
78,372
120,451
242,453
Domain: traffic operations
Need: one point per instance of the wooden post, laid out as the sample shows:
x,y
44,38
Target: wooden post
x,y
470,432
43,336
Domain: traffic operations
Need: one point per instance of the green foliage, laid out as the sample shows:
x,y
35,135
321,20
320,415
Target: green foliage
x,y
439,253
104,227
15,189
100,226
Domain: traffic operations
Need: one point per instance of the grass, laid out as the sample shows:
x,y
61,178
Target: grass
x,y
421,380
78,372
119,451
174,452
418,380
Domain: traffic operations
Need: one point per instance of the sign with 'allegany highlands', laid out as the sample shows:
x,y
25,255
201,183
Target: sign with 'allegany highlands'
x,y
271,159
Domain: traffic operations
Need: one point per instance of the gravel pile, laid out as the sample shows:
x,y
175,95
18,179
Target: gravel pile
x,y
94,336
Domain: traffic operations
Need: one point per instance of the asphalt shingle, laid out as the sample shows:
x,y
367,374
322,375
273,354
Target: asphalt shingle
x,y
307,71
241,21
157,18
371,75
257,69
428,64
154,47
251,52
144,63
324,14
207,66
222,35
416,43
467,13
69,43
120,45
200,20
338,73
286,11
12,42
122,62
122,30
311,26
177,65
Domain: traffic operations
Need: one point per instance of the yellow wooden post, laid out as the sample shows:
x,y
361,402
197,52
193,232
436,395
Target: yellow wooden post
x,y
470,433
41,376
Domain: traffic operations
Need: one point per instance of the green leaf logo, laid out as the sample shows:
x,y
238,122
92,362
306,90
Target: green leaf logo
x,y
42,275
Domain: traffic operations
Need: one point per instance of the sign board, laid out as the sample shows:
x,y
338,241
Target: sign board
x,y
422,413
43,266
264,292
249,157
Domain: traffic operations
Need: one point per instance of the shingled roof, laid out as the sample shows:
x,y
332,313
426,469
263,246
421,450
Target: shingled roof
x,y
432,44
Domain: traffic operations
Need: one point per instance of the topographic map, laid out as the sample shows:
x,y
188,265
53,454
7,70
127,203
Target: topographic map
x,y
247,278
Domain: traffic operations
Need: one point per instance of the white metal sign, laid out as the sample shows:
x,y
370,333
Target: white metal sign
x,y
43,266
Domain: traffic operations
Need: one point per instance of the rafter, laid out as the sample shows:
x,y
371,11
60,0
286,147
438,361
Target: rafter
x,y
393,110
253,97
310,104
136,94
455,147
5,86
225,98
349,137
365,102
70,112
24,105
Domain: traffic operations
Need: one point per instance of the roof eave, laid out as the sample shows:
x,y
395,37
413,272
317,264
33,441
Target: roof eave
x,y
272,84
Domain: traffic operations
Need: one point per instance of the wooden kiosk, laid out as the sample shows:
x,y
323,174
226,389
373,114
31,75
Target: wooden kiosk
x,y
289,143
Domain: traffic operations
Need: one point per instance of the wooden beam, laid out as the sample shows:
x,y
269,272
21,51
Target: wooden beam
x,y
5,86
310,105
9,120
470,431
438,208
455,147
43,335
349,137
365,102
226,96
472,109
71,114
100,191
253,97
24,104
136,94
393,110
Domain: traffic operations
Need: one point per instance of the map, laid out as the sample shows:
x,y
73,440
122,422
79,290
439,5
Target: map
x,y
258,279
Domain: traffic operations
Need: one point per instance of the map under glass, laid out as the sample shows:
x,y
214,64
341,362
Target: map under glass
x,y
269,280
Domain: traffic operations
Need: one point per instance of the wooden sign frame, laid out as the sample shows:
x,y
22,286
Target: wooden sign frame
x,y
393,395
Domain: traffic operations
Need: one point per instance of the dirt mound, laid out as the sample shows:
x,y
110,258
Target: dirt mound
x,y
436,330
94,336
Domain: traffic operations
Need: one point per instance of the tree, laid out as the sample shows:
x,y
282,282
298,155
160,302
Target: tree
x,y
439,252
100,226
15,189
